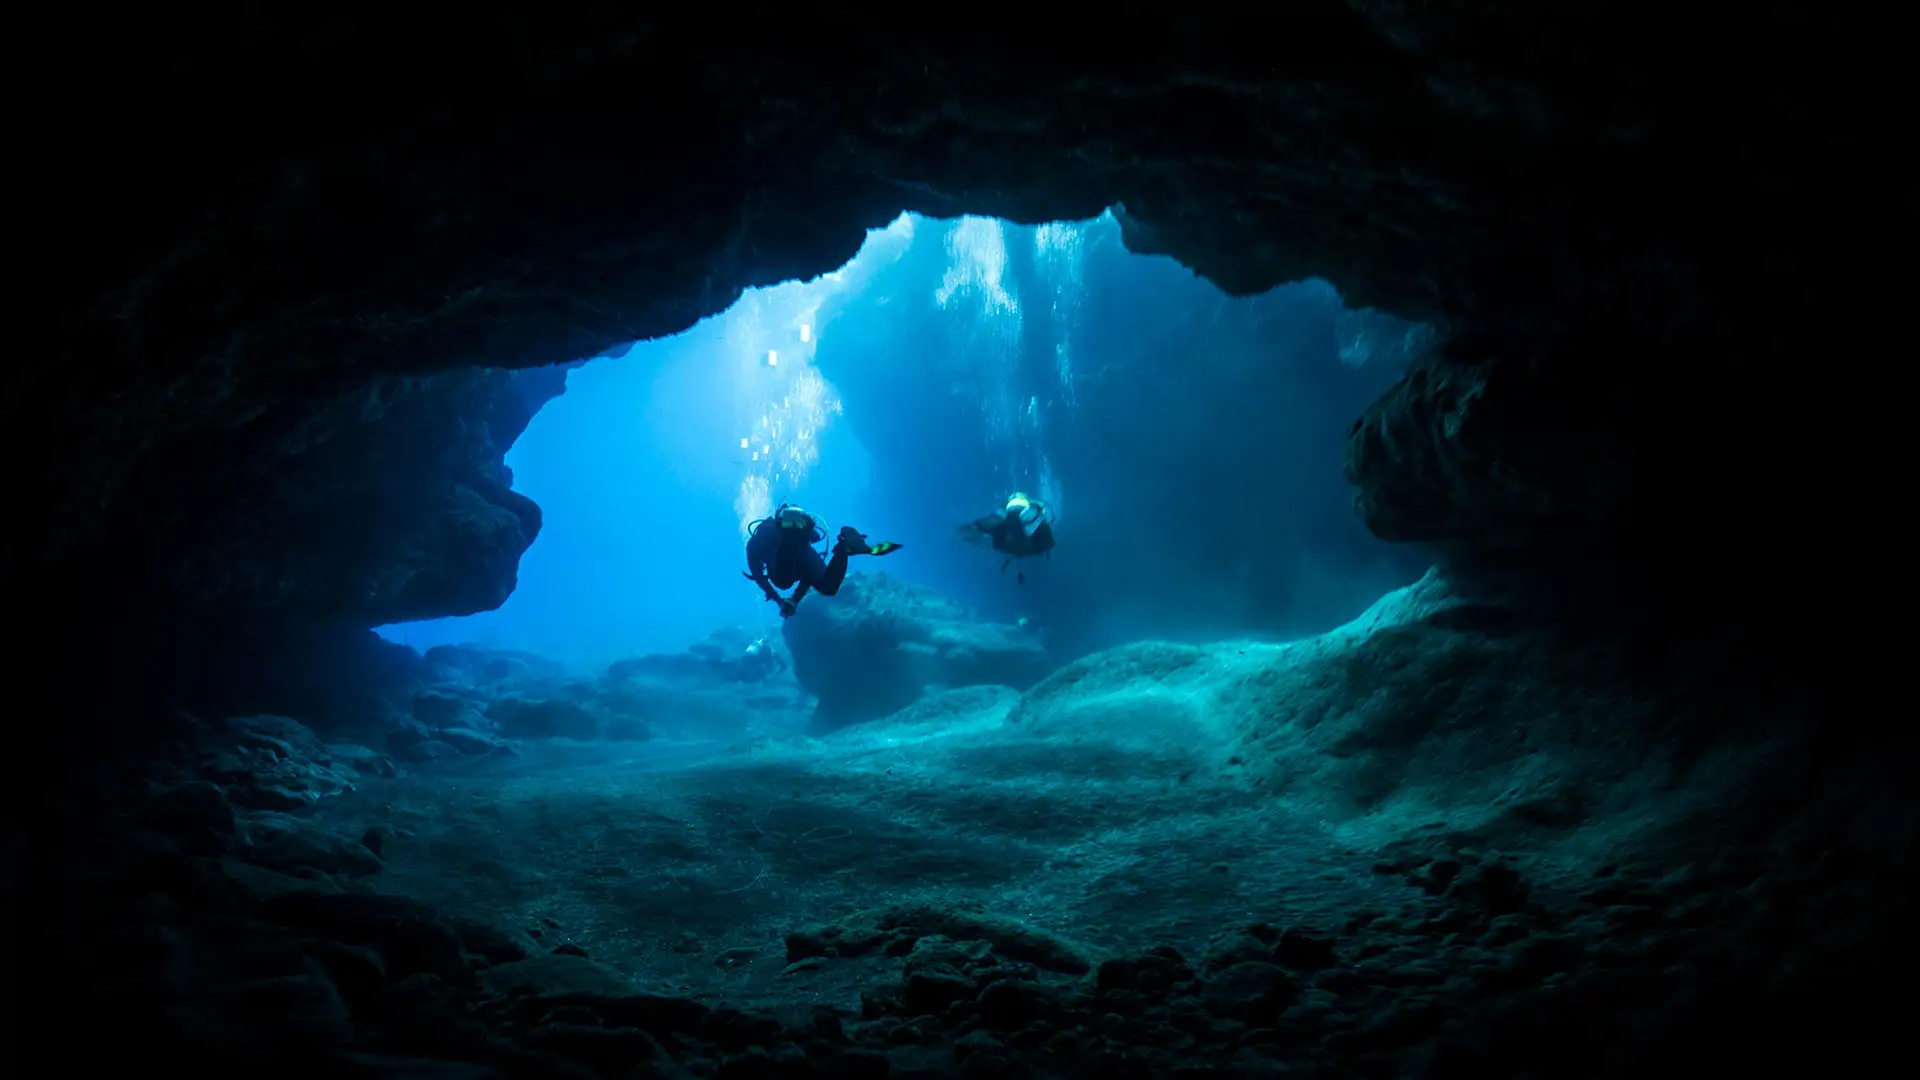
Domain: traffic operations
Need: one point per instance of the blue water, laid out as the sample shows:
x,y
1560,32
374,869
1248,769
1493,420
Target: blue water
x,y
950,363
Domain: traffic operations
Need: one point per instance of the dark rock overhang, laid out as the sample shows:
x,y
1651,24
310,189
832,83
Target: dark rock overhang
x,y
275,231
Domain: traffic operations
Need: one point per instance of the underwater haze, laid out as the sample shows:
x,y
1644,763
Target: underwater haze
x,y
1187,443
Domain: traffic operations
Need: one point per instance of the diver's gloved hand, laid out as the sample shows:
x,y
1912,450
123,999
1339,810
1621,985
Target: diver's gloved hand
x,y
787,608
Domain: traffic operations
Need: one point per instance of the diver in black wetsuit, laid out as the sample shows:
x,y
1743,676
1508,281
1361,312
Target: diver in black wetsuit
x,y
781,554
1021,529
759,662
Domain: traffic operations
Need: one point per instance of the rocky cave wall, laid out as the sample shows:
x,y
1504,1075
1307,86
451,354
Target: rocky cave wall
x,y
290,230
246,568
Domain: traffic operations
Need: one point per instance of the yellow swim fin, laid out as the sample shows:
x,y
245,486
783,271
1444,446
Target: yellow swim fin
x,y
884,547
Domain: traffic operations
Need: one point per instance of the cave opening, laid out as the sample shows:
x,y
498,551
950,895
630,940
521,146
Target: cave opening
x,y
949,363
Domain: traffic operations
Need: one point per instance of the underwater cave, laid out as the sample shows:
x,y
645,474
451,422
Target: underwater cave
x,y
948,364
1427,671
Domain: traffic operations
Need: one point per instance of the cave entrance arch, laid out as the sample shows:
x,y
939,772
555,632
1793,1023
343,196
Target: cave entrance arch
x,y
950,362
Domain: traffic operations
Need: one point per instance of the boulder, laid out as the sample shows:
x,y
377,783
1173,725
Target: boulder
x,y
525,717
639,708
468,741
427,751
728,655
680,665
277,763
292,845
437,710
484,667
882,644
723,644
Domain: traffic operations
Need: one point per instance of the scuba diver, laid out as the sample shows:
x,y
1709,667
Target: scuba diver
x,y
760,661
1021,529
780,553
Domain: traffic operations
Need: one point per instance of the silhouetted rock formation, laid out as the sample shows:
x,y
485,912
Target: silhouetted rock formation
x,y
1622,233
881,644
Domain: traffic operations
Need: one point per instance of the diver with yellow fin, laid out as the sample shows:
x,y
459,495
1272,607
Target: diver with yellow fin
x,y
1021,529
781,554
